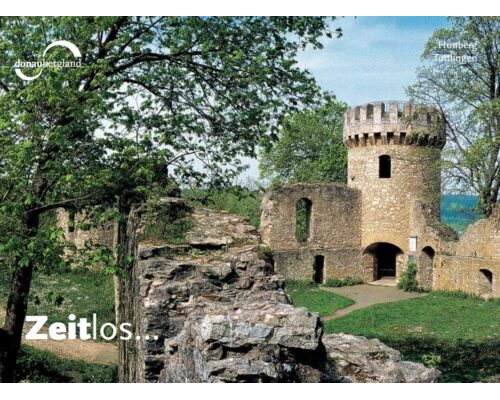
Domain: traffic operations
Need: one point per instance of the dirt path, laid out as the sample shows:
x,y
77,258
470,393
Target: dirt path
x,y
90,351
366,295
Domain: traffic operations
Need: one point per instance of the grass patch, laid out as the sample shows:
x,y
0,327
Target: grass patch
x,y
462,332
35,365
349,281
58,294
305,294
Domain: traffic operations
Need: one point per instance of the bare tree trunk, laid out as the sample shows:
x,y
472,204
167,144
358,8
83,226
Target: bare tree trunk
x,y
17,304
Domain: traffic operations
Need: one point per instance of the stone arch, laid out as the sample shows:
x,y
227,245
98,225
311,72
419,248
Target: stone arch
x,y
384,166
485,281
303,214
426,266
384,257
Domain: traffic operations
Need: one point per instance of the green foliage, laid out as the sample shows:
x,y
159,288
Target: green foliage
x,y
71,291
41,366
432,360
305,294
153,95
265,250
462,330
291,284
236,199
408,279
302,220
310,147
467,92
349,281
168,223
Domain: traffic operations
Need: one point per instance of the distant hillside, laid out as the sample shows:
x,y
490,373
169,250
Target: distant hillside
x,y
459,211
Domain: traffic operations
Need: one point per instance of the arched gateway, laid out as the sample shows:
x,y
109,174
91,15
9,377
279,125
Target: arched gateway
x,y
384,259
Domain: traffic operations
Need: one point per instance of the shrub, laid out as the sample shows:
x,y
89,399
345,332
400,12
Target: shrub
x,y
349,281
432,360
291,284
408,280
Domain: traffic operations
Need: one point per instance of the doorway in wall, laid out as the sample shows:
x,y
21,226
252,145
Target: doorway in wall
x,y
485,281
384,259
319,269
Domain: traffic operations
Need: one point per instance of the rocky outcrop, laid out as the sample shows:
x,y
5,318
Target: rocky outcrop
x,y
251,340
357,359
213,310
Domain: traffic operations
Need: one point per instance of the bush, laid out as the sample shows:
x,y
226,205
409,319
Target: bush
x,y
237,200
349,281
294,284
408,280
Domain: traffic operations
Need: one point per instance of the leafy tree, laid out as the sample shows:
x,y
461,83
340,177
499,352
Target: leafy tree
x,y
310,146
466,88
152,95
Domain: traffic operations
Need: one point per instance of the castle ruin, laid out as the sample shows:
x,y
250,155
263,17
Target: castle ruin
x,y
386,215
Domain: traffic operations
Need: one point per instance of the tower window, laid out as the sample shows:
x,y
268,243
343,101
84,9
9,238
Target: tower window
x,y
384,166
303,209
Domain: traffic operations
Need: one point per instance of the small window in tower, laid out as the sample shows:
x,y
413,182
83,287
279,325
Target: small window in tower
x,y
384,164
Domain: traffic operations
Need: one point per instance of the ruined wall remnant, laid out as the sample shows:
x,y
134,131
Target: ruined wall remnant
x,y
334,225
220,314
94,236
472,263
335,216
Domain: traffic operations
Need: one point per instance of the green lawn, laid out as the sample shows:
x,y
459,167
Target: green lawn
x,y
463,332
61,293
35,365
317,300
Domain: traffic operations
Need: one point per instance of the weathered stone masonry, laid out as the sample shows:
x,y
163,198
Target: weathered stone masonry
x,y
391,202
220,314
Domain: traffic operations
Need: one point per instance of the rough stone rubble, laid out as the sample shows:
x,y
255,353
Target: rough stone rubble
x,y
222,315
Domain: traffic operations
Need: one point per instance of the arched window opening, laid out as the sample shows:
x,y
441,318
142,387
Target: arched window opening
x,y
303,209
384,166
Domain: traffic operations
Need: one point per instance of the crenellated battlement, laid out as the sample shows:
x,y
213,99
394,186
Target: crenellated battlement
x,y
393,122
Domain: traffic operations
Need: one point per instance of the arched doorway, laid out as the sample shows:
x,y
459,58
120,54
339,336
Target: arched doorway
x,y
425,267
384,259
485,281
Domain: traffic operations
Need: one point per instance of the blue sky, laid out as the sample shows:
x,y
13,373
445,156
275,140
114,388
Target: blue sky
x,y
375,59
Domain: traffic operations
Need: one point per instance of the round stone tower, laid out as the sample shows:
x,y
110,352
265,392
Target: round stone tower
x,y
394,150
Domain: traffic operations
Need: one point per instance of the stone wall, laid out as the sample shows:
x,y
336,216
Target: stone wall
x,y
386,202
338,263
412,137
334,231
96,236
457,262
215,311
472,264
335,216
